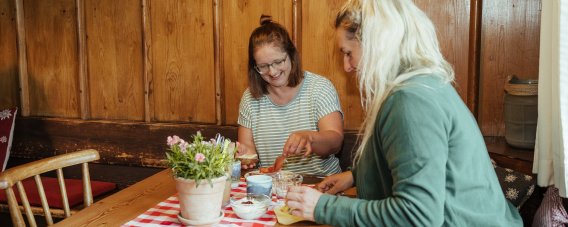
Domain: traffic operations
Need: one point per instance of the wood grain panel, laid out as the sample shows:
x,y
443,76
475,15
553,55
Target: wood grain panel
x,y
239,19
321,55
8,55
51,39
183,83
115,69
510,36
452,18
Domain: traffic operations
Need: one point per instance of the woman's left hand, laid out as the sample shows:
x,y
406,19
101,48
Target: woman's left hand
x,y
302,201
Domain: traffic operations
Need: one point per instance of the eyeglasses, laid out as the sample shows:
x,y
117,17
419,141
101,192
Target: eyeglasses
x,y
265,68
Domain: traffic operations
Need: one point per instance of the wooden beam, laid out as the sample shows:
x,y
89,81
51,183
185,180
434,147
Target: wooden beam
x,y
147,40
297,24
22,59
83,61
474,56
218,64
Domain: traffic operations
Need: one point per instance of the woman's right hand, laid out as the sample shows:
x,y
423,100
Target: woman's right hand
x,y
336,183
242,150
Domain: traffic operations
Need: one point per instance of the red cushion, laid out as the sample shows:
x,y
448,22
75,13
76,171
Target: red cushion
x,y
7,118
53,194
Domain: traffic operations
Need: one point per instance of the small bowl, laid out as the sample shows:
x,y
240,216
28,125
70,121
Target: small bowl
x,y
250,206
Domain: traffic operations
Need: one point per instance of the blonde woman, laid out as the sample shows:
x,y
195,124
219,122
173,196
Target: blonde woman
x,y
423,161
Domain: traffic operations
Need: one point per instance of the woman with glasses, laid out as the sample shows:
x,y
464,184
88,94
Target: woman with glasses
x,y
422,159
287,111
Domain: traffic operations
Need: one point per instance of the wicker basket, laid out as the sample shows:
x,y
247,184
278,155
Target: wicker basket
x,y
514,86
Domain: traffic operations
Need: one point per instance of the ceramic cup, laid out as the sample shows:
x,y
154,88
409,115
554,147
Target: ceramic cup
x,y
259,184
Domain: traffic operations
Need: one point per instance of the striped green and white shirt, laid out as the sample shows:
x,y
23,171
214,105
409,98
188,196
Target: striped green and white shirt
x,y
272,124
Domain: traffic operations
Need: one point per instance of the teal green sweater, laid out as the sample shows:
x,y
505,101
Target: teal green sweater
x,y
426,164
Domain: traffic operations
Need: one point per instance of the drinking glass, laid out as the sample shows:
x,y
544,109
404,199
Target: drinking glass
x,y
284,180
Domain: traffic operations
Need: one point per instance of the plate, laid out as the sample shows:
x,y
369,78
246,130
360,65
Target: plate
x,y
284,217
200,222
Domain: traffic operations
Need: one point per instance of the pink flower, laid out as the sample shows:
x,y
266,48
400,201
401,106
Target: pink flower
x,y
199,157
183,146
173,140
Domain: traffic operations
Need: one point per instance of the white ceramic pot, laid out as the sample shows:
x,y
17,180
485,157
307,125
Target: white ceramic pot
x,y
203,203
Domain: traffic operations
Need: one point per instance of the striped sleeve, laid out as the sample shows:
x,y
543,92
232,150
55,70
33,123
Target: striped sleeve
x,y
327,101
245,110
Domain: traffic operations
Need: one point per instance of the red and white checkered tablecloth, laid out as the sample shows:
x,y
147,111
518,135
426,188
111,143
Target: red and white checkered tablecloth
x,y
165,214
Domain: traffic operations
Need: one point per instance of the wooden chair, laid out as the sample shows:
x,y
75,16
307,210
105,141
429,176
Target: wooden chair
x,y
15,176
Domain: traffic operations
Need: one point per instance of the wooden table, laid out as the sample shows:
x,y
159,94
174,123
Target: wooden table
x,y
127,204
130,202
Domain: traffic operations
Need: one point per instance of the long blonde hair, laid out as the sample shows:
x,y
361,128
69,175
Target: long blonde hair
x,y
398,42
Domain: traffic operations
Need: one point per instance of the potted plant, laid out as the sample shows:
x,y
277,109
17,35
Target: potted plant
x,y
200,171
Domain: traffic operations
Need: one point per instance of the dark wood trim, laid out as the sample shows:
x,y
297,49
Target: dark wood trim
x,y
474,55
123,143
144,144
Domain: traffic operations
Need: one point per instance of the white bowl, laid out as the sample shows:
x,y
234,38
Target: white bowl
x,y
250,206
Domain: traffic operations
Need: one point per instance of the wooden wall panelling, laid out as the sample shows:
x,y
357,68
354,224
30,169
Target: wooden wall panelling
x,y
51,43
321,55
8,55
182,86
510,36
240,18
116,79
452,19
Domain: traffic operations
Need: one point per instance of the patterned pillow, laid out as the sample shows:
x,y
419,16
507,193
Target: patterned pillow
x,y
516,186
551,211
7,118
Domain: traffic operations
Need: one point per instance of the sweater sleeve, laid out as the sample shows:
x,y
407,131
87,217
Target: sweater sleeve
x,y
410,134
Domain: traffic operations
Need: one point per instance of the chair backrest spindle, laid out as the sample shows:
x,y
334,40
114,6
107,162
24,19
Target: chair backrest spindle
x,y
63,189
43,198
87,192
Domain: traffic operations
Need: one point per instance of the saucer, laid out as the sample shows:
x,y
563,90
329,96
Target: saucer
x,y
200,222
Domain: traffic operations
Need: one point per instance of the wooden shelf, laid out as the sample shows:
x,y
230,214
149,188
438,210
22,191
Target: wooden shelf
x,y
508,156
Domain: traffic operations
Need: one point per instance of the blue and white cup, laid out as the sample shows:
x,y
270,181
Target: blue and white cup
x,y
259,184
235,174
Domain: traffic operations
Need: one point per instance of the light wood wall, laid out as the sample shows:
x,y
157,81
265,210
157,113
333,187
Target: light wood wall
x,y
185,61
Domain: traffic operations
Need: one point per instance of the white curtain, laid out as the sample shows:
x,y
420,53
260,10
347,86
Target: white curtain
x,y
551,156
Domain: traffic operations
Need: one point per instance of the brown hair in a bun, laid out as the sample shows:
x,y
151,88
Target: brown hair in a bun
x,y
265,19
271,33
